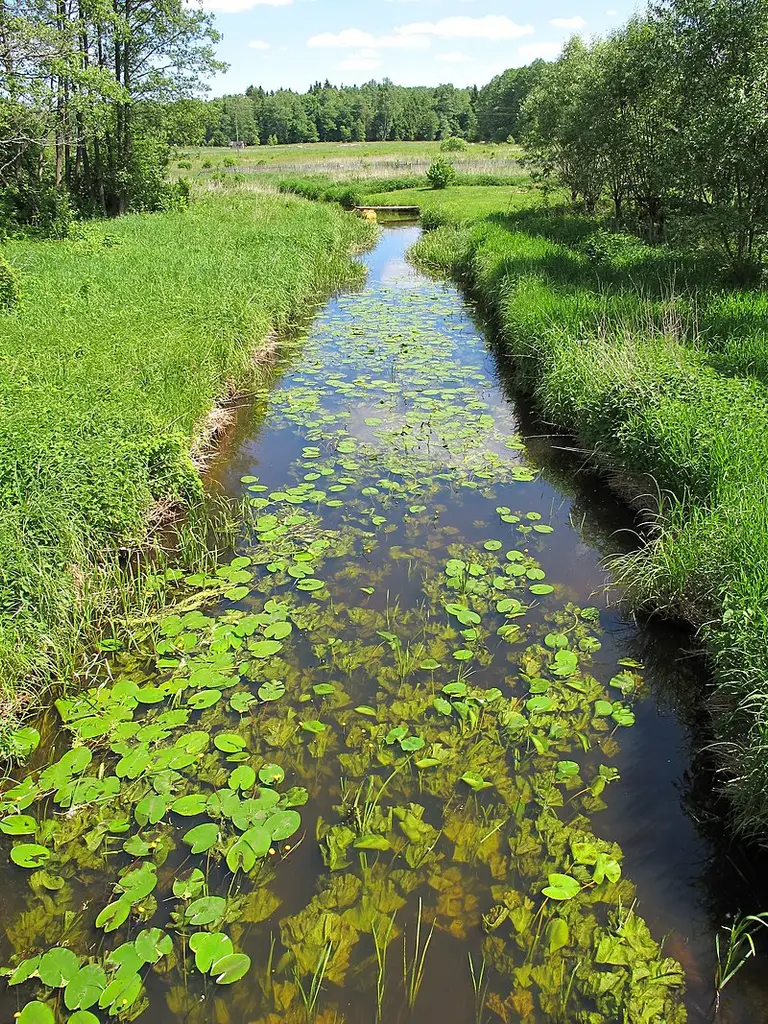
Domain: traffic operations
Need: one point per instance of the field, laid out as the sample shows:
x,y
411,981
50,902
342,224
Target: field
x,y
126,336
459,204
353,160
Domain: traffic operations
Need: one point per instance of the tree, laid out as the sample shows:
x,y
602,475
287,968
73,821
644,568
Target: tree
x,y
81,87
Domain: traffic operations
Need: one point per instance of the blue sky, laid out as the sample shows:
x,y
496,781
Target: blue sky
x,y
293,43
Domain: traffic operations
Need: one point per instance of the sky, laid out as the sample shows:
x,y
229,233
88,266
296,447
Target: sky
x,y
293,43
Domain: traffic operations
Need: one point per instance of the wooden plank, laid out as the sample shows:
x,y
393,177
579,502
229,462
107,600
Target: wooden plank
x,y
389,209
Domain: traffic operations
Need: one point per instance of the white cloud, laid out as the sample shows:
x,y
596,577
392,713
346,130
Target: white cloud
x,y
571,24
258,44
455,57
492,26
349,37
235,6
535,51
404,42
366,60
354,38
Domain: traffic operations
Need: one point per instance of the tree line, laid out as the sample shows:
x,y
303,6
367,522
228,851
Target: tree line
x,y
91,92
666,118
374,112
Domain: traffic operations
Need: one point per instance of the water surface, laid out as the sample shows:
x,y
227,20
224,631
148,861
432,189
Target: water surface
x,y
432,771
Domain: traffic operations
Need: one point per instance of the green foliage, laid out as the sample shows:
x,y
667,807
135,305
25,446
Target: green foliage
x,y
323,190
646,119
453,144
441,174
375,111
90,107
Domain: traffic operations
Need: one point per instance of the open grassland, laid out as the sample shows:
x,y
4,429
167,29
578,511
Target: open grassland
x,y
660,371
356,161
125,338
460,204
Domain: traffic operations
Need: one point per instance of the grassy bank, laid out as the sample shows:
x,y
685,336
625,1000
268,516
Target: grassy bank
x,y
658,369
124,339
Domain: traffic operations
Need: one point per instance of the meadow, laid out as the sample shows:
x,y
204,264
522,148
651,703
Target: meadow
x,y
356,161
126,336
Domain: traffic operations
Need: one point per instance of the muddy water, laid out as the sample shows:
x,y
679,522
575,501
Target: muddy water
x,y
400,758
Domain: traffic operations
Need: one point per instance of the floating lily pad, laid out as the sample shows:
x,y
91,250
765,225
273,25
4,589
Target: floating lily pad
x,y
202,837
283,824
36,1013
271,774
29,855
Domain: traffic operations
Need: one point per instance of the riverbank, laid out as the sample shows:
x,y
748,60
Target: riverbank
x,y
125,338
658,369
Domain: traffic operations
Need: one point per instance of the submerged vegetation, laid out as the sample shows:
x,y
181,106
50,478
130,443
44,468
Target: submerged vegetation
x,y
658,371
383,726
125,337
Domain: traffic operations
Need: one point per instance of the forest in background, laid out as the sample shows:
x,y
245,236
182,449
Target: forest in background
x,y
374,112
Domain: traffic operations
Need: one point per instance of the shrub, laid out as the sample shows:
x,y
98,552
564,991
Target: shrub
x,y
184,165
453,145
441,174
206,165
229,161
606,248
9,285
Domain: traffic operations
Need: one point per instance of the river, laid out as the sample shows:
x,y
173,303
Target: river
x,y
402,757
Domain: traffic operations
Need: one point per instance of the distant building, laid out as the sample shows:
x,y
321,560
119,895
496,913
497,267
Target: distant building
x,y
237,145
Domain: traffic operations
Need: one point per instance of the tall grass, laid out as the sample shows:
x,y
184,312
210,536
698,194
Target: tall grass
x,y
660,373
125,338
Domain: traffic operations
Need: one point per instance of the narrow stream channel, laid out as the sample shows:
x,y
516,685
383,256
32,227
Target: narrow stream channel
x,y
401,759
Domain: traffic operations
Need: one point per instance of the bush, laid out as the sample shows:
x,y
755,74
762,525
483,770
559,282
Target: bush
x,y
453,145
323,190
229,161
441,174
184,165
206,165
9,285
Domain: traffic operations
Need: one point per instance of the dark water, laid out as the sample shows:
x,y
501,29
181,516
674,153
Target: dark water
x,y
423,474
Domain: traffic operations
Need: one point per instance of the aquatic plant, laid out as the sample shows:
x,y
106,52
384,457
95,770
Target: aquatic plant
x,y
732,956
354,632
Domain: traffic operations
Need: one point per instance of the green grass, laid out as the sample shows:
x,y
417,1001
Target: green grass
x,y
124,340
659,371
342,161
460,203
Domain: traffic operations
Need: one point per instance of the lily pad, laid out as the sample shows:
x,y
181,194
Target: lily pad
x,y
36,1013
85,987
202,837
231,968
57,967
283,824
561,887
271,774
209,947
29,855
